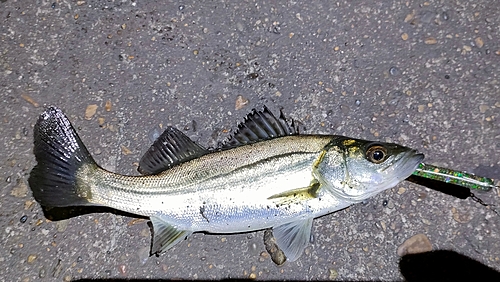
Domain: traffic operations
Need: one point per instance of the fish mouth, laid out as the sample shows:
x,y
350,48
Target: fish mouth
x,y
401,168
408,163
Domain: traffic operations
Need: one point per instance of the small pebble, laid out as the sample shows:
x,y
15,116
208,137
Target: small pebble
x,y
90,111
29,99
61,225
181,7
390,205
277,255
445,16
42,273
479,42
430,41
126,151
263,256
394,71
357,102
31,258
409,17
333,274
483,108
240,103
21,189
253,75
57,269
415,245
107,106
461,217
383,225
122,268
23,219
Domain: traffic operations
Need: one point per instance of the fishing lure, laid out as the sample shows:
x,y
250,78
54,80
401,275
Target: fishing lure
x,y
464,179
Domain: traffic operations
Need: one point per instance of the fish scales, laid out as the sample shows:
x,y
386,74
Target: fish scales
x,y
238,189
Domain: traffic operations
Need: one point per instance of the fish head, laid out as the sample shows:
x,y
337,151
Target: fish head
x,y
366,168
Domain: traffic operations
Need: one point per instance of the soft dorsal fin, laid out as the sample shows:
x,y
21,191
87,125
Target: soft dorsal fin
x,y
260,126
171,148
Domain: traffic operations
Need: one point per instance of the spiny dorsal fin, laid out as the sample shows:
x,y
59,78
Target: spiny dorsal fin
x,y
260,126
171,148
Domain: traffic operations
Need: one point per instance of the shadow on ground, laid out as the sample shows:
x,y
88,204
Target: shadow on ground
x,y
445,265
447,188
438,265
61,213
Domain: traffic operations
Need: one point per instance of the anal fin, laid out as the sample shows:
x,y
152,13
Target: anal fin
x,y
292,238
165,236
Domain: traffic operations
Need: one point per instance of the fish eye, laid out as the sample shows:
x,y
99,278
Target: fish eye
x,y
376,154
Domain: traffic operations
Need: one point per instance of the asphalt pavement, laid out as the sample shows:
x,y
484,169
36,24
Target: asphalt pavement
x,y
424,74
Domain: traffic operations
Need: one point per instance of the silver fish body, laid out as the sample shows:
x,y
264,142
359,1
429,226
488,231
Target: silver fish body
x,y
267,176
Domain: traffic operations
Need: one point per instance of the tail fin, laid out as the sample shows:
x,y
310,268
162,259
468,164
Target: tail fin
x,y
59,154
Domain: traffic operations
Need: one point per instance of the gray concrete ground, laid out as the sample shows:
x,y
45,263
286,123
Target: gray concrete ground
x,y
420,73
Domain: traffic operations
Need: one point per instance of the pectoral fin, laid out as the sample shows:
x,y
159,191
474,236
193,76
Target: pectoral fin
x,y
165,235
292,238
298,194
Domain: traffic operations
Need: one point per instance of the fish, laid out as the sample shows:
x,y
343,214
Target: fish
x,y
264,176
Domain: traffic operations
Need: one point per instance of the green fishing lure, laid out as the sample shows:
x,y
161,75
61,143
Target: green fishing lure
x,y
464,179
